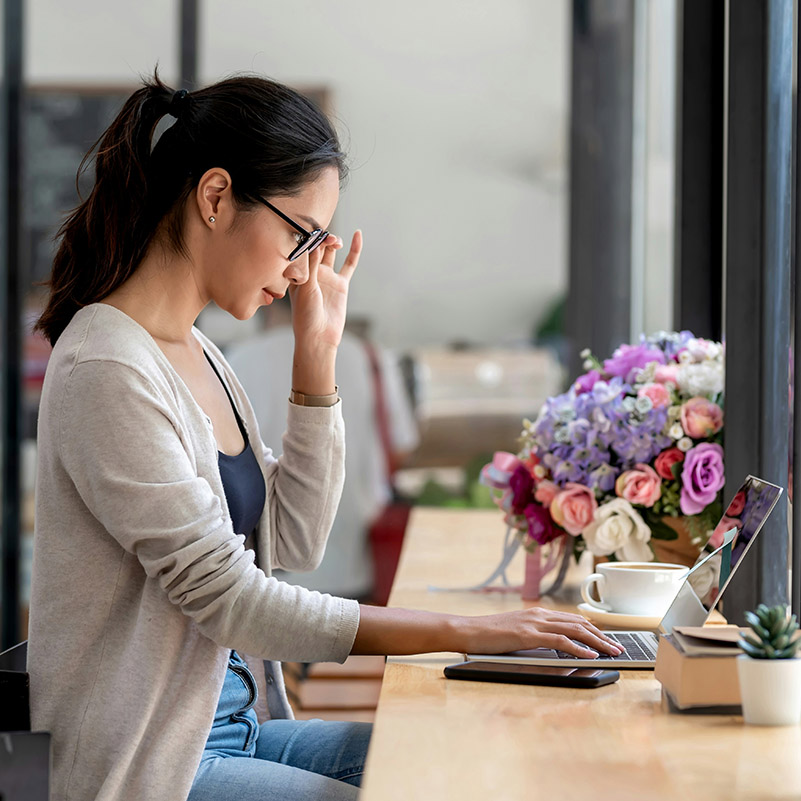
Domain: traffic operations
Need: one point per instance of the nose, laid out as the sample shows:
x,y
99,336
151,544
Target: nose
x,y
298,270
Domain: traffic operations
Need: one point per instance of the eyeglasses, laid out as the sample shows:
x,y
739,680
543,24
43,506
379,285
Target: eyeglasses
x,y
311,239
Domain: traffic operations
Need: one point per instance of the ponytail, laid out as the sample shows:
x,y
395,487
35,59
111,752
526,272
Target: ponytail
x,y
269,138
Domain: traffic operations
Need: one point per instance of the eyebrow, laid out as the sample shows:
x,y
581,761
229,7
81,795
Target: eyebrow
x,y
310,221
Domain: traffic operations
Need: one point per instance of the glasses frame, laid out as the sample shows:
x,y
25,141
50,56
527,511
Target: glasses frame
x,y
313,238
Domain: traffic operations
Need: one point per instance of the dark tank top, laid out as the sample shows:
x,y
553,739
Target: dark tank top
x,y
242,479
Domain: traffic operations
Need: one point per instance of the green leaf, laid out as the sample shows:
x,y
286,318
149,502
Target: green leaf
x,y
756,653
662,531
762,632
749,638
752,619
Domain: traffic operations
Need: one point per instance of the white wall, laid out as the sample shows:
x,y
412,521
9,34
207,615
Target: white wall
x,y
455,113
661,165
455,116
99,41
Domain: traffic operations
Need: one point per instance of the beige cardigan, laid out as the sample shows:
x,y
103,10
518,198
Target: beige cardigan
x,y
140,586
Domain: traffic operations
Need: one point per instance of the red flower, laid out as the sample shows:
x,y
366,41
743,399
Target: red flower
x,y
665,461
541,528
522,484
737,505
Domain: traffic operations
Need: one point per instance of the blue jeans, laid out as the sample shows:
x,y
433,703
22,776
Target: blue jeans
x,y
290,760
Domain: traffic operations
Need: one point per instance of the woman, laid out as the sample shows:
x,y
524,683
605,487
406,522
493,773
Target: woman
x,y
160,513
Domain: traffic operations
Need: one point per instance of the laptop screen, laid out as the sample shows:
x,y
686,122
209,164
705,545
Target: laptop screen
x,y
707,581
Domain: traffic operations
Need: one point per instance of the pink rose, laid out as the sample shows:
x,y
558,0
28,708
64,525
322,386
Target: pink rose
x,y
701,418
665,461
726,524
641,485
546,492
657,394
665,373
574,508
497,473
702,477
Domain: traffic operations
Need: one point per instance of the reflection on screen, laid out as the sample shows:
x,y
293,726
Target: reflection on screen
x,y
746,514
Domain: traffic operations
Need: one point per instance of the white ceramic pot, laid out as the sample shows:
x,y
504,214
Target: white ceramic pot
x,y
770,690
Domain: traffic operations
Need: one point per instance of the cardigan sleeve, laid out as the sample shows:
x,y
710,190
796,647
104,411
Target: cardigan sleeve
x,y
304,486
125,449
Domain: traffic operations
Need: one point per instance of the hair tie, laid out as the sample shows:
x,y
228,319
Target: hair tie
x,y
178,103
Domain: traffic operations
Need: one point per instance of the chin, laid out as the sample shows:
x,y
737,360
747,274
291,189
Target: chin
x,y
239,312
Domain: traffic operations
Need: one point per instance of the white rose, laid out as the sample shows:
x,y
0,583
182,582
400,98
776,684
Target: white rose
x,y
703,349
617,528
701,379
704,578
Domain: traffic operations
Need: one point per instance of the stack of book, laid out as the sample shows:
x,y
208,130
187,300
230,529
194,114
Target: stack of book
x,y
697,669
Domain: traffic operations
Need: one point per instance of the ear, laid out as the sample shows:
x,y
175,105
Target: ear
x,y
214,198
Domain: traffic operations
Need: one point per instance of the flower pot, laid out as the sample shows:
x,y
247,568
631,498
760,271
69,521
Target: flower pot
x,y
681,551
770,690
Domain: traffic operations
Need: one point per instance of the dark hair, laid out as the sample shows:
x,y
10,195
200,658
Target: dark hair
x,y
270,139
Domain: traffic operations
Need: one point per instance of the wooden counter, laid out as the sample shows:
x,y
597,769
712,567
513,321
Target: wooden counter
x,y
440,739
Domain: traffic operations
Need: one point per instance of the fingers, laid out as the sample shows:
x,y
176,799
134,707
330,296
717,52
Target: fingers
x,y
585,634
559,642
577,620
329,248
352,260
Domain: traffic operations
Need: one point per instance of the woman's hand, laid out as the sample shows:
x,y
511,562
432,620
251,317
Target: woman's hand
x,y
406,631
319,306
318,316
538,628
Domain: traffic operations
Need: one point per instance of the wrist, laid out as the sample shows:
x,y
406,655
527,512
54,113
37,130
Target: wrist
x,y
314,373
459,634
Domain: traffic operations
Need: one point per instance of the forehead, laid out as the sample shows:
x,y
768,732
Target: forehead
x,y
316,200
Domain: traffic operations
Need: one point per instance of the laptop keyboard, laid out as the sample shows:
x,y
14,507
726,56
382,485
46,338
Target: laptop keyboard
x,y
640,647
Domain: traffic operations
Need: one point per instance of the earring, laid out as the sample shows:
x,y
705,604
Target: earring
x,y
212,219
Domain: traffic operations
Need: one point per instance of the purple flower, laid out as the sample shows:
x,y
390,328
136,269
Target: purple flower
x,y
628,359
702,477
521,483
603,477
541,528
586,382
565,471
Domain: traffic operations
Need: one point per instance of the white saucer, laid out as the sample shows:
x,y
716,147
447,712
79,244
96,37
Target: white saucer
x,y
617,620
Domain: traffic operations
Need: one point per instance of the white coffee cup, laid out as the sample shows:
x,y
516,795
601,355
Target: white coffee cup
x,y
634,588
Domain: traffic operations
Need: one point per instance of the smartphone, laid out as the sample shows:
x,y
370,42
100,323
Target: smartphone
x,y
532,674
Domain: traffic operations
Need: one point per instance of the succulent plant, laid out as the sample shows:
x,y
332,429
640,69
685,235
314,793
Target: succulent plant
x,y
772,634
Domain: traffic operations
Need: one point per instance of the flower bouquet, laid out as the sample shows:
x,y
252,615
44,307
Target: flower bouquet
x,y
619,462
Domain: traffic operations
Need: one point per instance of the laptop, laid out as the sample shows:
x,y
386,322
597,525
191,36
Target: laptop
x,y
700,594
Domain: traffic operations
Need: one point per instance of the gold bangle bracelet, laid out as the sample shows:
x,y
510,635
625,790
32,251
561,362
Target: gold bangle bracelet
x,y
299,399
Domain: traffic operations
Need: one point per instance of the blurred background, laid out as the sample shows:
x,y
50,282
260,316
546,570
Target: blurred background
x,y
532,177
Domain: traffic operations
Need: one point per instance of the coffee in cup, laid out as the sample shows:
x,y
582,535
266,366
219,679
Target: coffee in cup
x,y
634,588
